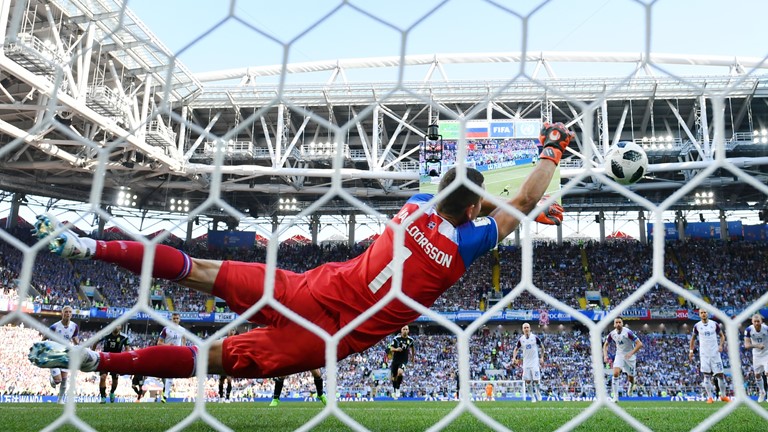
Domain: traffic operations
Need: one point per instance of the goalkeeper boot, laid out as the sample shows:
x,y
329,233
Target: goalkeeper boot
x,y
111,398
324,399
66,244
49,354
274,403
103,401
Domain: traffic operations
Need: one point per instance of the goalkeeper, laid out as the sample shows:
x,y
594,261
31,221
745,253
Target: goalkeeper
x,y
442,239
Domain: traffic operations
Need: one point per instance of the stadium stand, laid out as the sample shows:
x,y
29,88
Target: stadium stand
x,y
663,369
662,364
721,282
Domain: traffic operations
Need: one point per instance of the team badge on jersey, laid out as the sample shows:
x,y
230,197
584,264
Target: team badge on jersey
x,y
431,225
481,221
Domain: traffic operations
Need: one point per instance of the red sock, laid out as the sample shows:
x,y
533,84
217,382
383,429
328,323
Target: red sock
x,y
170,263
165,361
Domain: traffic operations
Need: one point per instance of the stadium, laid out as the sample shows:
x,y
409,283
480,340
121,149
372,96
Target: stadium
x,y
299,163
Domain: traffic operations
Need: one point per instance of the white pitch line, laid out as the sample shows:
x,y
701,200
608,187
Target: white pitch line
x,y
509,179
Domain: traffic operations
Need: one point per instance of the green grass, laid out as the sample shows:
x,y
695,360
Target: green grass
x,y
376,416
496,180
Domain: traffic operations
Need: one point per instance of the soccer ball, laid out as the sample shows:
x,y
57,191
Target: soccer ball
x,y
626,162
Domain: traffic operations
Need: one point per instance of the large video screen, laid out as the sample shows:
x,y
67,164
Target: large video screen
x,y
504,151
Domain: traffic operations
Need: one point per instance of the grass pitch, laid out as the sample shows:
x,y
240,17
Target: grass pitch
x,y
376,416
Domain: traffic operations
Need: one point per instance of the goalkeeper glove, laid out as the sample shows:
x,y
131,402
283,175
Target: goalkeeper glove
x,y
553,215
554,137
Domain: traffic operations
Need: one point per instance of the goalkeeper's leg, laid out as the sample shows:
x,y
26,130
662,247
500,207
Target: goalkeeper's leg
x,y
163,361
169,263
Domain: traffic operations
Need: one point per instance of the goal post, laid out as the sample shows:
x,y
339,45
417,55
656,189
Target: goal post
x,y
500,390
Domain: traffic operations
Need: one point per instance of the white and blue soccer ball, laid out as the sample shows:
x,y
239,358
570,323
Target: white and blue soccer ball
x,y
626,163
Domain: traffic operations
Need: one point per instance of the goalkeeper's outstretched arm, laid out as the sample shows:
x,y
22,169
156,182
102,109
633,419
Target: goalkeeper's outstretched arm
x,y
554,139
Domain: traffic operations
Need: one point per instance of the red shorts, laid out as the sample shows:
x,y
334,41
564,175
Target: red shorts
x,y
283,347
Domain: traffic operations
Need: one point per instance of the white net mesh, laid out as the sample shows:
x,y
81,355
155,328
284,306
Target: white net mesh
x,y
103,99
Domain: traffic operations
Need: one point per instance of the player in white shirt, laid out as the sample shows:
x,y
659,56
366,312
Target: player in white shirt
x,y
711,341
70,331
627,345
755,338
533,359
171,335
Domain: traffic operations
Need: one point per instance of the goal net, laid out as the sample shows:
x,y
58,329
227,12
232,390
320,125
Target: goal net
x,y
94,105
484,390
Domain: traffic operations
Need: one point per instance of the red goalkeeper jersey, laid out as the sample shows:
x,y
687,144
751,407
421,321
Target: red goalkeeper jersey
x,y
436,255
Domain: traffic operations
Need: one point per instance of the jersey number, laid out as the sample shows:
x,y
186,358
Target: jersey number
x,y
386,273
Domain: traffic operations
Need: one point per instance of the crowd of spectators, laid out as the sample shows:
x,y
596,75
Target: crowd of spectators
x,y
618,268
489,151
615,269
557,270
663,367
726,273
54,283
